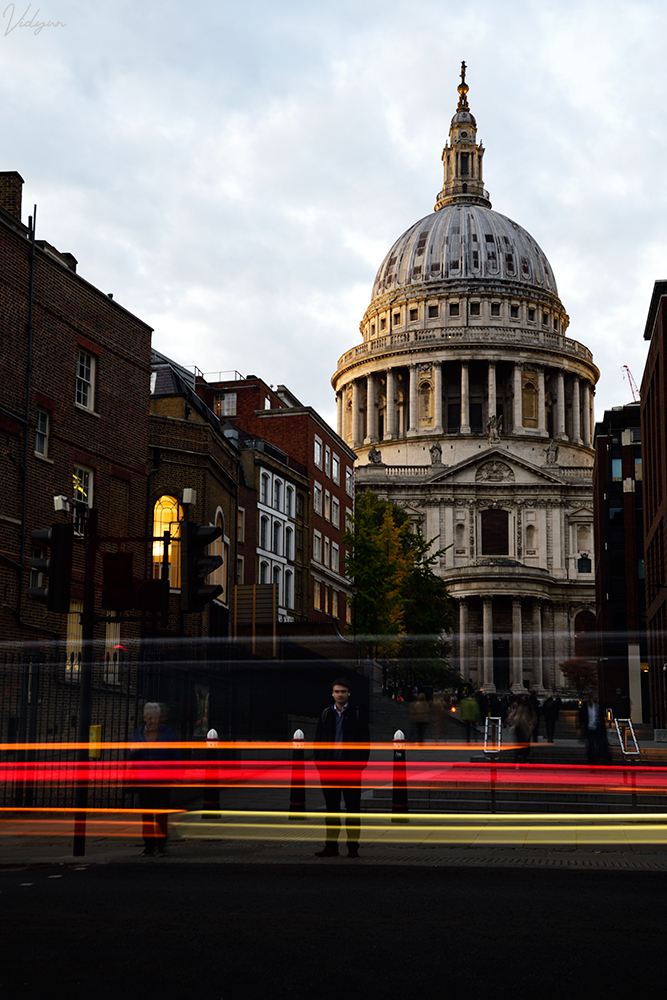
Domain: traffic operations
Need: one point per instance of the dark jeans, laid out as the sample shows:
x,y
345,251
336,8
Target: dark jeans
x,y
597,747
154,826
352,798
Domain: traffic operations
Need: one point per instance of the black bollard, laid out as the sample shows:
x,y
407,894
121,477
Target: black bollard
x,y
297,799
399,801
211,787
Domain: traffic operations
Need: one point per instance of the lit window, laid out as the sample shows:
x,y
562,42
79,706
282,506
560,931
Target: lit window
x,y
42,434
225,405
74,638
317,595
167,516
348,613
638,470
85,380
82,491
326,600
334,603
327,505
327,549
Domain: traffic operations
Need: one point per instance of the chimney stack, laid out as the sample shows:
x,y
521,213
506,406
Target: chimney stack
x,y
11,190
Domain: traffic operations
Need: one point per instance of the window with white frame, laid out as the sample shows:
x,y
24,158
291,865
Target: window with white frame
x,y
349,481
289,543
335,468
277,580
265,485
263,572
335,557
82,492
240,570
225,405
327,505
277,538
167,516
289,501
318,452
264,532
317,546
277,494
327,460
240,525
289,589
85,380
349,519
42,434
317,498
335,512
327,551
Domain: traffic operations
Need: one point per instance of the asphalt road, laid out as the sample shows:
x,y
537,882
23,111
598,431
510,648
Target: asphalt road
x,y
233,932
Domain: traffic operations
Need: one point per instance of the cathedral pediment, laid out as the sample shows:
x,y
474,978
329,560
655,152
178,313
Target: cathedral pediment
x,y
496,467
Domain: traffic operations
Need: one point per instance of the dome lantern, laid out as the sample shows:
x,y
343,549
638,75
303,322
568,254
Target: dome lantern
x,y
462,157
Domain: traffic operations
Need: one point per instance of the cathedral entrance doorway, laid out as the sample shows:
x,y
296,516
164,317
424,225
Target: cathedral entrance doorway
x,y
501,664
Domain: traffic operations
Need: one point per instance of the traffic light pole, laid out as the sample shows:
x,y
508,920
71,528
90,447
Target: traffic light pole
x,y
86,678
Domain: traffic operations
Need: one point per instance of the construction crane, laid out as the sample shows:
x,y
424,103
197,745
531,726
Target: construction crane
x,y
633,385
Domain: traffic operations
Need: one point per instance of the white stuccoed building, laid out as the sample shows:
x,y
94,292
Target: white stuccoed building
x,y
469,407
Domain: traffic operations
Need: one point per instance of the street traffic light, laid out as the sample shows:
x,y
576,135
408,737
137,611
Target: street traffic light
x,y
196,564
57,566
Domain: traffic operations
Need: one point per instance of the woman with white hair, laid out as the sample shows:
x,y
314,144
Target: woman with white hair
x,y
153,797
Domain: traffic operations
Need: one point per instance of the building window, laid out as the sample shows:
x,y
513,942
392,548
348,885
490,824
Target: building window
x,y
317,595
335,557
514,312
327,460
289,536
85,380
263,572
277,580
372,329
638,470
264,532
327,505
474,308
334,603
299,538
277,538
317,546
82,491
326,600
495,308
348,613
349,481
277,494
318,452
432,312
267,402
335,468
453,308
289,589
167,516
335,512
545,319
74,638
495,532
298,582
583,565
531,315
240,570
299,504
317,498
414,315
397,319
42,434
616,470
264,495
383,324
225,405
327,551
240,525
289,501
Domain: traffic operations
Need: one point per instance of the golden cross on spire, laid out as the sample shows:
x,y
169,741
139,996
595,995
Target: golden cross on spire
x,y
463,72
463,90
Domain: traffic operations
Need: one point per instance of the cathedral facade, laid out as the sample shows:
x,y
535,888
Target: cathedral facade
x,y
469,406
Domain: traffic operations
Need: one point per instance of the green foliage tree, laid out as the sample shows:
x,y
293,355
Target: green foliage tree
x,y
401,608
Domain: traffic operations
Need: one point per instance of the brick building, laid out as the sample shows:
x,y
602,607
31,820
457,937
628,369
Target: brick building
x,y
74,371
325,463
619,564
654,438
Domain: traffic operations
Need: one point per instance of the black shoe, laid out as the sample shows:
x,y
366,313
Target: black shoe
x,y
327,852
160,852
353,852
147,853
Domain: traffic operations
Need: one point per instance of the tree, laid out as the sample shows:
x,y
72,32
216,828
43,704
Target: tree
x,y
401,608
580,672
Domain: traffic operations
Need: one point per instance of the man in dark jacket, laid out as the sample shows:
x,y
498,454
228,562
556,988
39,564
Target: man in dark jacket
x,y
340,767
593,729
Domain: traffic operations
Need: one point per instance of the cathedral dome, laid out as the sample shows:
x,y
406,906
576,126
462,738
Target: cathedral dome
x,y
462,242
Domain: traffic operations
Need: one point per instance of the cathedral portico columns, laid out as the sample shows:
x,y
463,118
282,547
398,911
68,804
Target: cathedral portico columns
x,y
371,410
390,412
560,407
437,397
586,415
463,637
356,422
537,680
517,421
517,640
487,644
340,410
413,420
491,383
576,411
465,399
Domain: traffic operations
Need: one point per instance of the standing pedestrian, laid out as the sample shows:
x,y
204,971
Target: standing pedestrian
x,y
592,728
154,795
420,713
469,709
340,767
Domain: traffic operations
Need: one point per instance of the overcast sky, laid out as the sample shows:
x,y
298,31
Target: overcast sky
x,y
234,172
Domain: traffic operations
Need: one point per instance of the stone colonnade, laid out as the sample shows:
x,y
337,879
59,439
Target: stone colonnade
x,y
409,400
491,662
